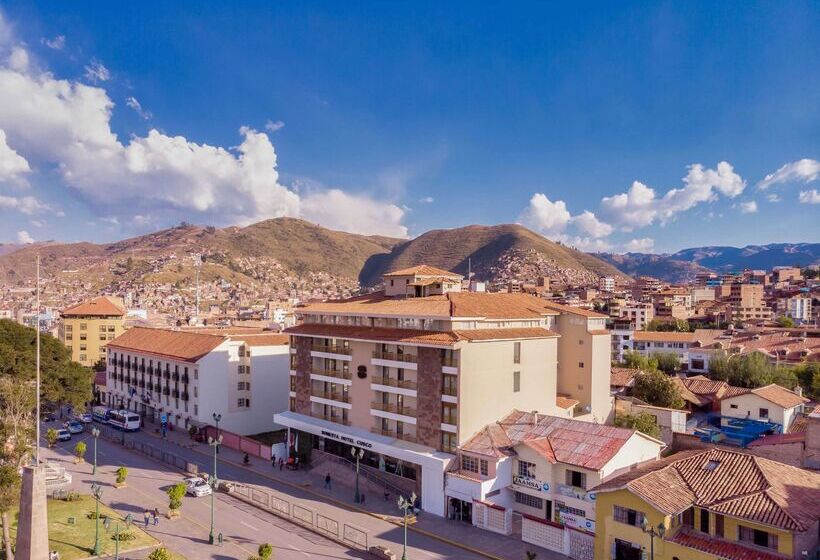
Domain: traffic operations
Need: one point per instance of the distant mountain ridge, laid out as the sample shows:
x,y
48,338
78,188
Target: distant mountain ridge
x,y
685,264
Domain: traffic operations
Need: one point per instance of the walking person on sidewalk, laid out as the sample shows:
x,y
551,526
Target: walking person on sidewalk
x,y
156,516
147,517
281,463
327,482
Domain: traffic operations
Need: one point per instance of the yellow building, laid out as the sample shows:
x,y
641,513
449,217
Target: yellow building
x,y
88,326
708,505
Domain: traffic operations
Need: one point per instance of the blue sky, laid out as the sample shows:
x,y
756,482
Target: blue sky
x,y
396,118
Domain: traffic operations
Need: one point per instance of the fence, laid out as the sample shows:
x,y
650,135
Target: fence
x,y
152,451
349,535
240,443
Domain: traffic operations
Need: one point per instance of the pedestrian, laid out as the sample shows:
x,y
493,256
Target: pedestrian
x,y
361,499
156,516
281,463
327,482
146,516
273,461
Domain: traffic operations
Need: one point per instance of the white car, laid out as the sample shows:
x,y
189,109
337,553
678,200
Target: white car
x,y
63,435
197,487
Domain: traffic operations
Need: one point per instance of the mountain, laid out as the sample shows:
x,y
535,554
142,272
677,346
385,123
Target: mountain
x,y
496,253
685,264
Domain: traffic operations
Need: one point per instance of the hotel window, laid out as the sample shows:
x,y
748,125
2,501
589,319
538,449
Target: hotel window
x,y
449,385
628,516
526,470
576,479
529,501
516,352
516,381
449,413
756,537
448,442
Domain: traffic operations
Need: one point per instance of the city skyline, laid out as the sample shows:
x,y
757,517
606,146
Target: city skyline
x,y
120,122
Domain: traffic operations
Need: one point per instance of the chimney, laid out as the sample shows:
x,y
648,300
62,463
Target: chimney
x,y
798,390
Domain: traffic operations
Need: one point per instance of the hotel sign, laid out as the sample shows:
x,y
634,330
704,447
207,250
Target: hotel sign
x,y
346,439
531,484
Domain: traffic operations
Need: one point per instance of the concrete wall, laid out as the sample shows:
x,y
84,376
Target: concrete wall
x,y
749,405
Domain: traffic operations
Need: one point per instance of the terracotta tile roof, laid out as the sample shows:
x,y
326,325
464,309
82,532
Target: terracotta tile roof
x,y
662,336
498,305
378,304
102,306
563,440
505,334
423,270
799,424
721,548
575,310
565,402
737,484
689,396
780,396
263,339
622,377
788,346
179,345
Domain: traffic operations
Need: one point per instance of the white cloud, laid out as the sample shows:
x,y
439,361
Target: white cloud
x,y
96,72
774,197
587,244
137,107
57,43
112,220
26,204
810,197
24,237
427,200
633,209
804,170
749,207
37,223
18,59
642,245
12,164
589,224
545,216
358,213
273,126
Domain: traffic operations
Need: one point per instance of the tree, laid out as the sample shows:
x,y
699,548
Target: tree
x,y
808,376
79,451
9,497
122,474
265,551
636,360
668,362
17,405
678,325
175,494
785,322
643,422
160,553
657,389
51,437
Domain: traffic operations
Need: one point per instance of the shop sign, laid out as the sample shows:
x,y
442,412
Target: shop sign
x,y
531,484
573,492
576,521
346,439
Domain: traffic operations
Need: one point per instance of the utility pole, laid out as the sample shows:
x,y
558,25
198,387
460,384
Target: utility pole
x,y
37,396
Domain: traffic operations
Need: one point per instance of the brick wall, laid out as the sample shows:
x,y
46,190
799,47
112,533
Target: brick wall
x,y
428,419
303,364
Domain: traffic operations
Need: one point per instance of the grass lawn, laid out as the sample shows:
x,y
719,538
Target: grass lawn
x,y
77,540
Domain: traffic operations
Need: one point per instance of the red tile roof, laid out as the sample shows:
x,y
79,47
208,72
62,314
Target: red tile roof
x,y
622,377
102,306
663,336
423,270
780,396
180,345
727,482
721,548
566,402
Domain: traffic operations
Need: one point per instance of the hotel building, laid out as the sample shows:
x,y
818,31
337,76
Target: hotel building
x,y
411,372
88,326
188,376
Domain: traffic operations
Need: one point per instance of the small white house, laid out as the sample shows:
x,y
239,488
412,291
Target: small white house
x,y
771,403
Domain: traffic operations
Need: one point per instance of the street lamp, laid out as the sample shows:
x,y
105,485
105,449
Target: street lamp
x,y
404,505
96,490
215,443
217,418
358,454
96,433
652,532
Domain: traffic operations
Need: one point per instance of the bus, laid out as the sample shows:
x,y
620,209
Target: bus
x,y
124,420
100,414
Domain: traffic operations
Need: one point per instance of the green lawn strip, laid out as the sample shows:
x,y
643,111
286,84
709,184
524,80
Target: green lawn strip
x,y
75,541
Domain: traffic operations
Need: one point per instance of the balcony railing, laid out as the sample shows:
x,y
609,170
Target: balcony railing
x,y
394,408
331,349
395,356
393,434
331,418
393,382
332,395
340,374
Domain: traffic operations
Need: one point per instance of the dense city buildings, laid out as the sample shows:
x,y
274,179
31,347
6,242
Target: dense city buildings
x,y
86,328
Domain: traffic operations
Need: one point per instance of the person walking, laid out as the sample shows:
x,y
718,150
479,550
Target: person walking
x,y
156,517
273,461
327,482
281,463
147,517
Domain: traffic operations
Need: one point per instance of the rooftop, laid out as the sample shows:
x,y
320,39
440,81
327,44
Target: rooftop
x,y
103,306
423,270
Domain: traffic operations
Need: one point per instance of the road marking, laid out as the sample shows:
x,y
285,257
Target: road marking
x,y
249,526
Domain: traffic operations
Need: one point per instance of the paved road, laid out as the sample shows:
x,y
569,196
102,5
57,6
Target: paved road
x,y
243,526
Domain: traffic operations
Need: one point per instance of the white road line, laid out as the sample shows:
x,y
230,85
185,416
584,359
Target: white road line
x,y
248,526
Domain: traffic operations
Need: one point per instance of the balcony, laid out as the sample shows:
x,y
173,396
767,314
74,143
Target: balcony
x,y
339,374
184,396
175,376
331,349
337,418
337,396
393,382
395,357
175,393
394,434
185,378
166,390
394,408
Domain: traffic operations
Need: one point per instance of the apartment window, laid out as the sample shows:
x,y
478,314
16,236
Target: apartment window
x,y
83,326
576,479
102,337
580,364
83,337
449,385
68,337
241,403
628,516
449,413
763,413
561,506
516,381
526,470
195,391
688,517
732,406
718,525
83,357
516,352
69,328
448,441
529,501
756,537
469,463
704,521
196,410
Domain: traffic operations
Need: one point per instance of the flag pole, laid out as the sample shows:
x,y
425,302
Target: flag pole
x,y
37,396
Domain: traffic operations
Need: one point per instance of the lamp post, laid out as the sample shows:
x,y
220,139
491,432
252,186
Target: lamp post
x,y
404,505
215,443
96,490
358,454
217,418
652,532
95,432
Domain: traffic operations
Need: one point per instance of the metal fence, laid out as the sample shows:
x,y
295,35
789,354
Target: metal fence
x,y
153,451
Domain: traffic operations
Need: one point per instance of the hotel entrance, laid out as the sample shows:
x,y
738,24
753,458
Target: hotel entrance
x,y
460,510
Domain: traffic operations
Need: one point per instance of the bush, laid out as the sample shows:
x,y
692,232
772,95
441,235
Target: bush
x,y
175,494
51,437
265,551
785,322
123,536
657,389
71,496
643,422
160,553
79,450
93,515
668,362
122,474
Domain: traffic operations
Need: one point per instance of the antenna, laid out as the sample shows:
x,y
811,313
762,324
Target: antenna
x,y
37,396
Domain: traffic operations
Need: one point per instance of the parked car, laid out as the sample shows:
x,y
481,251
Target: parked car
x,y
197,487
85,418
63,435
75,427
48,416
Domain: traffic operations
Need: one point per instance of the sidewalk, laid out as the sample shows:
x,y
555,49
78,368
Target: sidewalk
x,y
379,517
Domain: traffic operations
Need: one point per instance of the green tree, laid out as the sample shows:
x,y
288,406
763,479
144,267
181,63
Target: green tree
x,y
678,325
658,389
668,362
265,551
175,494
643,422
9,496
122,474
160,553
79,451
633,359
51,437
785,322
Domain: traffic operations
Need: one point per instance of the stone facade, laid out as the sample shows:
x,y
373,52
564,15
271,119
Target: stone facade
x,y
32,527
303,365
430,379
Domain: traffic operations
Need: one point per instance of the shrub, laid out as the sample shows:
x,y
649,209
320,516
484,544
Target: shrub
x,y
124,536
175,494
160,553
122,473
79,450
71,496
642,422
51,437
93,515
265,551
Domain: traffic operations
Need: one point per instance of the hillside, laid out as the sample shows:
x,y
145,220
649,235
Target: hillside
x,y
497,253
685,264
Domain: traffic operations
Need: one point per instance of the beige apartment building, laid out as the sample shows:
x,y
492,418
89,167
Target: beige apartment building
x,y
87,327
409,377
747,302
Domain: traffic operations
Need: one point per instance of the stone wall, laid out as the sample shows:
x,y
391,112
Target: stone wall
x,y
428,418
303,365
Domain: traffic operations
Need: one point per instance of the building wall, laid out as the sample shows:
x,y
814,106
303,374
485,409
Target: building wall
x,y
637,450
428,430
749,405
486,382
94,347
